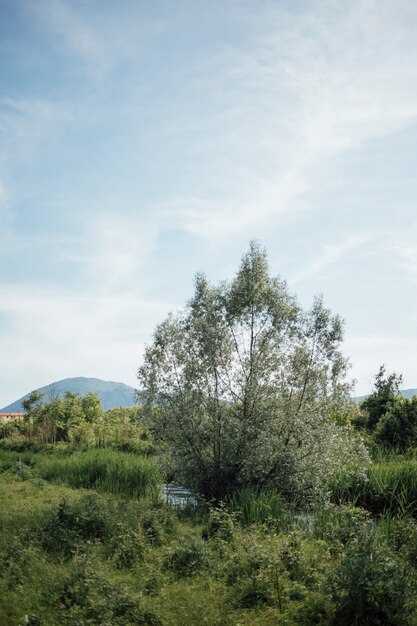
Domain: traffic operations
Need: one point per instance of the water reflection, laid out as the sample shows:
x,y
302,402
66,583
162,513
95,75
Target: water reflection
x,y
177,496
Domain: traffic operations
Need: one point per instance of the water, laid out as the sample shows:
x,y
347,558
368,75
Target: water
x,y
178,497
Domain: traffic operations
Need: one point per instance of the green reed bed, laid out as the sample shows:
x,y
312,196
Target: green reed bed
x,y
105,470
390,486
255,506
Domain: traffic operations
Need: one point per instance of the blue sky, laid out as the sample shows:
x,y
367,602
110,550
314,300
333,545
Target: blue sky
x,y
141,142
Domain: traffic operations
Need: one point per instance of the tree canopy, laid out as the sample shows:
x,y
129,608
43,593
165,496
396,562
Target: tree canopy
x,y
242,385
389,419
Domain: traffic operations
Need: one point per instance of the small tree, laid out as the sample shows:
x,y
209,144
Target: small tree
x,y
382,399
32,406
242,384
397,428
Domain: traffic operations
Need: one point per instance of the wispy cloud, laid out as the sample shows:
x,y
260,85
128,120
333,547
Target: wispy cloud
x,y
112,249
369,352
330,255
100,36
67,333
311,88
252,129
26,124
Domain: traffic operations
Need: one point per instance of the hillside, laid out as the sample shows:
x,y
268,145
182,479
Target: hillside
x,y
111,394
406,393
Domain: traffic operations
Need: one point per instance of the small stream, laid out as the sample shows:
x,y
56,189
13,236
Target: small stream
x,y
178,497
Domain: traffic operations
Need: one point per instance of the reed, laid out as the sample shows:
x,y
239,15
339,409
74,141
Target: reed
x,y
104,470
390,486
257,506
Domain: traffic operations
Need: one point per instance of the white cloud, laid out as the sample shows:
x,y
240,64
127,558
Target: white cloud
x,y
331,254
49,335
99,35
112,249
408,263
25,126
367,353
311,88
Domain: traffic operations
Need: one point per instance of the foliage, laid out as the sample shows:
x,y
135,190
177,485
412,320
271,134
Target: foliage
x,y
158,524
189,557
389,486
382,399
70,556
80,420
243,386
105,469
127,546
397,428
70,523
85,597
221,524
254,506
372,585
389,420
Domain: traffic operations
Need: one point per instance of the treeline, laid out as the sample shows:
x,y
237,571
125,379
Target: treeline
x,y
388,420
76,419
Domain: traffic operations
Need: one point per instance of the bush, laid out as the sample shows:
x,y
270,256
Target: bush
x,y
401,535
221,525
68,524
157,524
372,585
23,471
341,524
255,572
88,598
126,547
15,561
191,556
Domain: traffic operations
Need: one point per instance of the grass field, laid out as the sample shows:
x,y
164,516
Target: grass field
x,y
85,540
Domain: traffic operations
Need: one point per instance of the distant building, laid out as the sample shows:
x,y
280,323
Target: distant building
x,y
11,416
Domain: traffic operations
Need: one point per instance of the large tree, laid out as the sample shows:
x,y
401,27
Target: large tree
x,y
242,385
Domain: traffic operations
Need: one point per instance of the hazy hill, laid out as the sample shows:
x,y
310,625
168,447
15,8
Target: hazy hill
x,y
406,393
110,393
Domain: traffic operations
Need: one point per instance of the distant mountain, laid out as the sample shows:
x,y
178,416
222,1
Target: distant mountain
x,y
110,393
406,393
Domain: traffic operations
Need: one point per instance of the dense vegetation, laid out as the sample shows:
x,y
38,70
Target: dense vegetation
x,y
248,388
79,549
305,504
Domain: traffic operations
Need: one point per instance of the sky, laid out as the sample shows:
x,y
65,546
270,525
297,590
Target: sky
x,y
142,142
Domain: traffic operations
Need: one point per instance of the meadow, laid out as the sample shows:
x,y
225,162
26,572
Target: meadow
x,y
87,539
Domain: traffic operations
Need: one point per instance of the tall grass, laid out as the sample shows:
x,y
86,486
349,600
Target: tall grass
x,y
390,486
105,470
255,506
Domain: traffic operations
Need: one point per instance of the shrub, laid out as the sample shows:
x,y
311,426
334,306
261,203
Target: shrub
x,y
189,557
398,427
126,546
401,535
254,571
372,585
157,524
86,597
23,471
15,561
341,523
221,525
70,523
